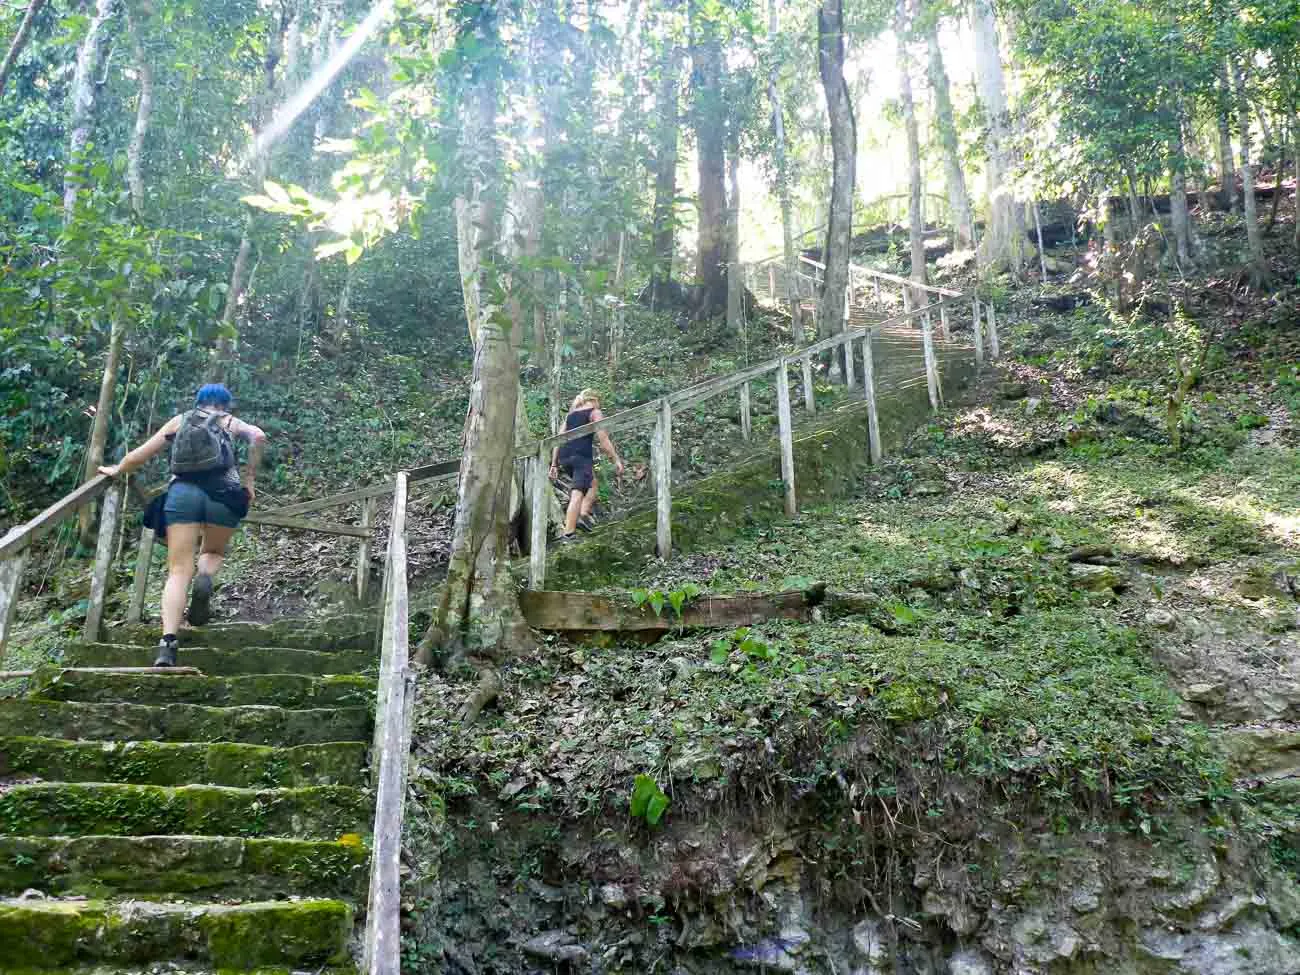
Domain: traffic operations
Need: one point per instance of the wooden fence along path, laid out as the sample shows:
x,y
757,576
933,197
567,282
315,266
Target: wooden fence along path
x,y
894,340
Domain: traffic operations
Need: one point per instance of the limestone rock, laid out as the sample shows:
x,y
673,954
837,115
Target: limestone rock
x,y
969,962
1096,578
556,946
870,942
1160,618
1013,390
1249,949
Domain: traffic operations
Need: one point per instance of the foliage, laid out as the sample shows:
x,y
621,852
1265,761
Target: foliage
x,y
648,801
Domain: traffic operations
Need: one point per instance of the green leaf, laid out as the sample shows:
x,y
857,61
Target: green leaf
x,y
657,602
656,808
677,599
720,650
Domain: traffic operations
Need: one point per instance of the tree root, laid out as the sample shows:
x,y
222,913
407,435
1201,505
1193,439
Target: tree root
x,y
489,688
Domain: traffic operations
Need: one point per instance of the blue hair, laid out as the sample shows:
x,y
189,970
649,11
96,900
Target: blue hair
x,y
213,394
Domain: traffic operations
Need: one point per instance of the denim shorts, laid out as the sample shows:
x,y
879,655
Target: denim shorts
x,y
189,504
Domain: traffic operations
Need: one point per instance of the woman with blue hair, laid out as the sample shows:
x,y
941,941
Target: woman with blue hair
x,y
205,501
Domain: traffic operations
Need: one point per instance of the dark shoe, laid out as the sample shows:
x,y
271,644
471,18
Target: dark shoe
x,y
166,654
587,523
200,601
566,538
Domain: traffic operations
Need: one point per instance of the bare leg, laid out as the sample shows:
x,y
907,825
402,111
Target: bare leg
x,y
181,542
589,499
571,516
213,553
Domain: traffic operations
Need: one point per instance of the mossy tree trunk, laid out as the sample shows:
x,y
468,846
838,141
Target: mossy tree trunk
x,y
1254,240
915,215
709,113
781,157
1004,245
667,124
844,140
963,224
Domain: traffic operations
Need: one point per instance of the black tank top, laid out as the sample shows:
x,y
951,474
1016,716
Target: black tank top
x,y
580,449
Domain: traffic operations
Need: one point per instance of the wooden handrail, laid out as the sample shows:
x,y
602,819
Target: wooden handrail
x,y
20,536
886,276
389,753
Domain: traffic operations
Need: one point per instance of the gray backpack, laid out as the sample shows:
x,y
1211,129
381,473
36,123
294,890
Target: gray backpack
x,y
202,444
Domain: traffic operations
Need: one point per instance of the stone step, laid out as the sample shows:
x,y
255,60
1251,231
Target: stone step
x,y
340,633
54,934
183,763
207,867
226,662
282,690
113,809
118,721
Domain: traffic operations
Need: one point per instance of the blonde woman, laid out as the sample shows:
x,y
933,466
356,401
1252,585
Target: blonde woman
x,y
577,459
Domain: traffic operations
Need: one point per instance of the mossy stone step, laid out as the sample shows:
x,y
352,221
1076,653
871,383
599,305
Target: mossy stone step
x,y
53,933
118,721
192,866
112,809
340,633
183,763
283,690
223,662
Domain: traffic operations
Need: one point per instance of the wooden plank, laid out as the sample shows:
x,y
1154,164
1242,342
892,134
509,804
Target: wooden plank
x,y
661,459
850,380
143,566
334,500
931,368
944,333
700,392
441,469
363,550
20,536
11,587
112,508
869,393
746,419
591,612
885,276
994,351
809,394
283,521
391,751
979,332
786,429
537,519
635,416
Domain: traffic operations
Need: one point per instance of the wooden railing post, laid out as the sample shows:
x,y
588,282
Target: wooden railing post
x,y
869,393
809,394
907,301
979,332
103,561
994,351
771,281
143,566
661,459
746,419
931,368
943,321
537,518
363,550
11,584
786,429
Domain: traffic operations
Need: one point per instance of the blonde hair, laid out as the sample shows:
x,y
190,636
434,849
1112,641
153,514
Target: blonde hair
x,y
588,395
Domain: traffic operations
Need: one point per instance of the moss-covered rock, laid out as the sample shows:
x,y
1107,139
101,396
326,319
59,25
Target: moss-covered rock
x,y
339,633
283,690
64,809
193,866
52,934
251,660
183,763
119,721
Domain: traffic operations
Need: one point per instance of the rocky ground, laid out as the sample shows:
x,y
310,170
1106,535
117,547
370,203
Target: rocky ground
x,y
1054,735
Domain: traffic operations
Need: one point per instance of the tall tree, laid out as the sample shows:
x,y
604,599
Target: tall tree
x,y
963,224
85,84
667,128
844,141
781,157
735,280
21,37
1254,240
709,113
1004,242
915,216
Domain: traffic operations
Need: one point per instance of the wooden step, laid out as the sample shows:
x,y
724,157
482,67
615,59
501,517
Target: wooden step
x,y
165,687
225,662
183,763
340,633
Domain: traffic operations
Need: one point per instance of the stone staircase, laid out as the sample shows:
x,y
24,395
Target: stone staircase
x,y
213,819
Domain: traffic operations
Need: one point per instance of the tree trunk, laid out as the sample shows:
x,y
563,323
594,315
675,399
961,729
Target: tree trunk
x,y
84,86
781,157
1179,211
478,610
963,224
667,124
19,42
1295,198
915,217
99,429
844,142
1254,241
1004,242
735,280
143,113
1227,167
710,120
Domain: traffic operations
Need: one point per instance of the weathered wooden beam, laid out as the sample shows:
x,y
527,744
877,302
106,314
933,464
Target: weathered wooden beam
x,y
108,516
363,550
143,566
995,352
661,460
334,500
537,519
283,521
587,612
931,367
809,394
943,321
390,753
746,418
786,430
979,332
869,393
20,536
429,471
11,587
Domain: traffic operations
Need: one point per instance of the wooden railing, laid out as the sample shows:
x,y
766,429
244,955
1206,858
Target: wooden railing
x,y
389,753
